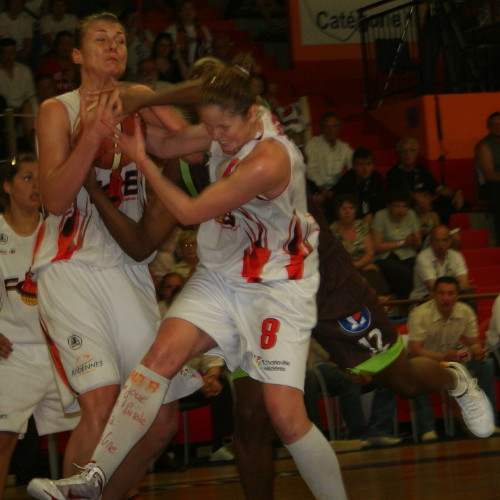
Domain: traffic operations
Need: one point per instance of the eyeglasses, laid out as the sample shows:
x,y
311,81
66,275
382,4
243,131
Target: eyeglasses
x,y
188,245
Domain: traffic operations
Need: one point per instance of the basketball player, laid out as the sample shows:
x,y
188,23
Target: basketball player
x,y
257,272
27,381
97,303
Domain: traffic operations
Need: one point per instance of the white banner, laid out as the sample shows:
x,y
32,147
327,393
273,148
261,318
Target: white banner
x,y
336,21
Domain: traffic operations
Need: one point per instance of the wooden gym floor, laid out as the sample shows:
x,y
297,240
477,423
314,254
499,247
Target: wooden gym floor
x,y
461,469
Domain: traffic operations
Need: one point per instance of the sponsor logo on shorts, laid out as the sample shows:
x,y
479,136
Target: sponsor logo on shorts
x,y
75,342
3,415
356,323
270,365
3,238
85,364
187,374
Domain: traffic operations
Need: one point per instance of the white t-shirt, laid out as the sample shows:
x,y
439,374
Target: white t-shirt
x,y
49,25
19,88
428,267
19,29
326,163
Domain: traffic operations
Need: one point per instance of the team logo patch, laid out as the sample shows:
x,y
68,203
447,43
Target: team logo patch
x,y
75,342
3,238
356,323
273,365
85,364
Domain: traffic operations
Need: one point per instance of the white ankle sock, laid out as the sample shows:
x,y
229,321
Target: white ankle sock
x,y
461,386
318,465
134,412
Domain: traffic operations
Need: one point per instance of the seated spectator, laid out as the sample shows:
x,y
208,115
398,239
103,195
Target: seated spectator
x,y
437,260
45,88
147,74
414,177
396,236
192,38
364,183
493,334
16,79
60,65
427,217
170,285
186,249
378,430
327,158
487,161
139,40
58,20
221,47
169,62
356,238
445,329
18,26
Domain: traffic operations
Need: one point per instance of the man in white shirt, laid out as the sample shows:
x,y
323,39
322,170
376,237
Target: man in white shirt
x,y
58,20
16,79
445,329
438,259
327,156
18,25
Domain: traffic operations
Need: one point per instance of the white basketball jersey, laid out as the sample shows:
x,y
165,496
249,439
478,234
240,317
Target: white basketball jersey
x,y
19,320
264,239
80,234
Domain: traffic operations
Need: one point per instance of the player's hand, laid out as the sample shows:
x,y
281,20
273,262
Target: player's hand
x,y
5,347
107,108
133,146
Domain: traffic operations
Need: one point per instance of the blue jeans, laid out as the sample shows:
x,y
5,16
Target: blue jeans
x,y
483,370
382,414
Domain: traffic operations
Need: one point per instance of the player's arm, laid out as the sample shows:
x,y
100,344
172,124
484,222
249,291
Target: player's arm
x,y
137,239
265,171
182,94
63,168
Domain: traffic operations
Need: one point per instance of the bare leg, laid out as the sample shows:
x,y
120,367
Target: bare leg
x,y
415,376
138,460
253,440
96,408
8,441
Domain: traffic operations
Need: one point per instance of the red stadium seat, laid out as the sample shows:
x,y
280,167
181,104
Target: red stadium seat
x,y
474,238
481,257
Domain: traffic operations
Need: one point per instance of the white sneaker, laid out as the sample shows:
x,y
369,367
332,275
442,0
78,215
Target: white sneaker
x,y
429,436
223,454
86,485
475,406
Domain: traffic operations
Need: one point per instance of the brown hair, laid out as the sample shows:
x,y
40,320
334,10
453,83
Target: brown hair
x,y
83,25
9,169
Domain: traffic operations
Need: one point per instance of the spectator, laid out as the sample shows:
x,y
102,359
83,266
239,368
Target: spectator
x,y
355,237
221,47
364,183
16,79
413,177
428,218
396,237
45,88
445,329
170,285
60,65
169,62
58,20
147,73
487,160
493,333
17,25
191,36
139,40
437,260
327,157
186,248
